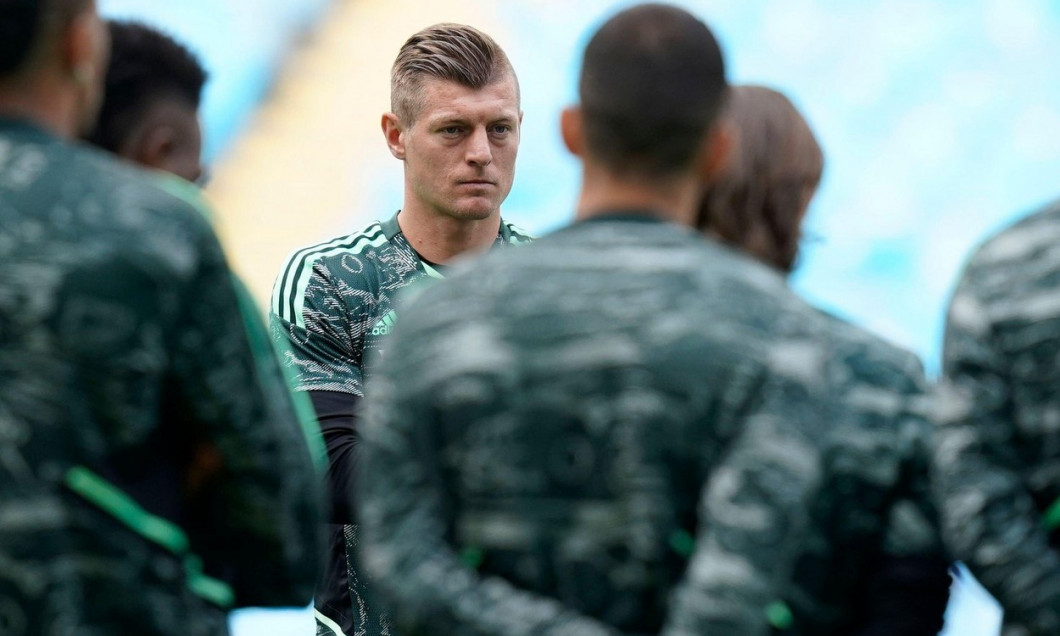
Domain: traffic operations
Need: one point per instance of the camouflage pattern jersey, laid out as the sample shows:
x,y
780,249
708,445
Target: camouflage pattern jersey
x,y
334,302
875,564
565,421
334,306
596,434
997,449
152,470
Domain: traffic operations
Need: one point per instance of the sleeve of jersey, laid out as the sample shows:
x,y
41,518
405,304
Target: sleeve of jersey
x,y
989,520
324,348
752,516
404,521
908,588
255,515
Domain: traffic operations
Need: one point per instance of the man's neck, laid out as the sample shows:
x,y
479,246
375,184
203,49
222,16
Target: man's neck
x,y
674,199
439,238
39,103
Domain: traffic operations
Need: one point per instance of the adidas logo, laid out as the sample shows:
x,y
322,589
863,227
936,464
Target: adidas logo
x,y
385,324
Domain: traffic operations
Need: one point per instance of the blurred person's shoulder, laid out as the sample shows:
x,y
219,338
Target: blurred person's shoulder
x,y
135,187
607,258
1008,285
633,242
619,247
110,195
1021,238
88,199
872,353
148,214
1021,258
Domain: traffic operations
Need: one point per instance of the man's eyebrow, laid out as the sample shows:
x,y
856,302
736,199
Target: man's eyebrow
x,y
449,119
456,118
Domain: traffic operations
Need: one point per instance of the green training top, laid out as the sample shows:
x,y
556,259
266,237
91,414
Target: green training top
x,y
625,428
334,302
152,469
997,451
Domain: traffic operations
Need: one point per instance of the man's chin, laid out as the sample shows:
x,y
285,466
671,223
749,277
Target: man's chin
x,y
475,212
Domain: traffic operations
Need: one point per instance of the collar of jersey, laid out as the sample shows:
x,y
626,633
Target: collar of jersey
x,y
392,229
631,216
24,126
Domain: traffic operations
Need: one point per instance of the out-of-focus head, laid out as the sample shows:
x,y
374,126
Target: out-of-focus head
x,y
150,113
759,200
454,122
59,48
652,83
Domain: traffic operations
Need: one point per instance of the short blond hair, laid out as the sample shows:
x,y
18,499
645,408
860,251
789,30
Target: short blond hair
x,y
453,52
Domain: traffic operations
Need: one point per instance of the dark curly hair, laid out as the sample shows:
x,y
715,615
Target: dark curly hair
x,y
145,66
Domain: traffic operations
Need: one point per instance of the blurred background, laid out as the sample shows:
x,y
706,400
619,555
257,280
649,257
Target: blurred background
x,y
940,122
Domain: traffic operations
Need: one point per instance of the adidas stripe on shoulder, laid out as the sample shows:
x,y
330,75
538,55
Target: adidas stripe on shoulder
x,y
288,294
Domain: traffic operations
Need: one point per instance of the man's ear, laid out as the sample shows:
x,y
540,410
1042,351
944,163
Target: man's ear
x,y
716,150
572,128
154,146
394,133
85,50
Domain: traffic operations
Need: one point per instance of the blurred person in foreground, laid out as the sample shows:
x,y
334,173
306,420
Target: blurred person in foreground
x,y
997,445
455,124
150,111
587,436
152,471
876,564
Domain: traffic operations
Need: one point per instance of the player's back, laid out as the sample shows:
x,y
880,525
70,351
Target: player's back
x,y
580,393
90,251
125,373
876,527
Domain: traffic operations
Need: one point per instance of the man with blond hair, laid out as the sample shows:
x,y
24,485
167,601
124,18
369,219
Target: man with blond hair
x,y
454,123
587,436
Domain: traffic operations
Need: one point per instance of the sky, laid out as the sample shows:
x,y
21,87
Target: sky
x,y
939,121
242,44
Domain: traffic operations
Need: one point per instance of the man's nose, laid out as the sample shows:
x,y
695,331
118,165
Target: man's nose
x,y
479,151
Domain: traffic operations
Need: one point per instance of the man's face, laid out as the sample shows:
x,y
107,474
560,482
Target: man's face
x,y
460,151
168,139
184,156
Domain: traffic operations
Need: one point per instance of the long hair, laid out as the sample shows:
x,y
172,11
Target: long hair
x,y
757,204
